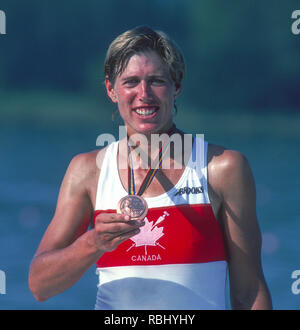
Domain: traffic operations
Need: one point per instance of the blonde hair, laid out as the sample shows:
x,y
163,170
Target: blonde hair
x,y
138,40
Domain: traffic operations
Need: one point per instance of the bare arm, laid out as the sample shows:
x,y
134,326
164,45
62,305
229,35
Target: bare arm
x,y
242,235
67,249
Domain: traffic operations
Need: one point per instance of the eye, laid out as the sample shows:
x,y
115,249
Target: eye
x,y
157,82
131,82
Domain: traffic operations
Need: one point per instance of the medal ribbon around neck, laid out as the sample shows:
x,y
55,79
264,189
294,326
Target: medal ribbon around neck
x,y
151,172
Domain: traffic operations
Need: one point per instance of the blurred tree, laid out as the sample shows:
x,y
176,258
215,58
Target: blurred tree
x,y
239,54
247,54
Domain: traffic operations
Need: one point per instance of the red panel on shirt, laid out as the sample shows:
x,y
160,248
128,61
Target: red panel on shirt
x,y
183,234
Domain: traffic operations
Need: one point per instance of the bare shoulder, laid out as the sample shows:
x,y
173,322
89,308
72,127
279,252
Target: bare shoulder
x,y
227,167
84,169
225,159
87,164
82,166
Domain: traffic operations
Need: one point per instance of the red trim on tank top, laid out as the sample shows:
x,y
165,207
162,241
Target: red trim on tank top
x,y
179,234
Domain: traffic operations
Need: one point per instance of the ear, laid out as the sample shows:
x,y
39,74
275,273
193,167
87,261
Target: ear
x,y
110,90
177,90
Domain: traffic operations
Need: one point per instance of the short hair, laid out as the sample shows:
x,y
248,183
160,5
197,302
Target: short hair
x,y
138,40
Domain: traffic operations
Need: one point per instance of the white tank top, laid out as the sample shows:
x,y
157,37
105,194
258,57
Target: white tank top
x,y
177,261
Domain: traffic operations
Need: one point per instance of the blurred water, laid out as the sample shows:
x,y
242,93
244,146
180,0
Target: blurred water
x,y
33,161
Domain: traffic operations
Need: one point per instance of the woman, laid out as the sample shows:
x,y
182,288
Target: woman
x,y
194,221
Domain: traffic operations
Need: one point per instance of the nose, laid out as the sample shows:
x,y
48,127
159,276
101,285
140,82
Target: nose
x,y
145,92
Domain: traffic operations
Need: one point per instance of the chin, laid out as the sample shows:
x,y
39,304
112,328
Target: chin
x,y
149,128
144,129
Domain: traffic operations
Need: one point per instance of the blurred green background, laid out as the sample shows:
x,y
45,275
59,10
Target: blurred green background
x,y
241,90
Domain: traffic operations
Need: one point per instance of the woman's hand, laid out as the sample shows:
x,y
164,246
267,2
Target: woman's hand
x,y
111,229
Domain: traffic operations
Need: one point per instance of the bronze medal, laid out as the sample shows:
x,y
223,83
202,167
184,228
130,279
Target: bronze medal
x,y
133,205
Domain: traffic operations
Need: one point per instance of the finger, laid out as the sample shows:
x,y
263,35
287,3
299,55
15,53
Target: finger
x,y
118,228
141,218
124,236
112,217
120,219
113,244
113,239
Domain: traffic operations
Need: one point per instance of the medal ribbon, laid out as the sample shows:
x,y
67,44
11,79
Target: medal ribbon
x,y
151,172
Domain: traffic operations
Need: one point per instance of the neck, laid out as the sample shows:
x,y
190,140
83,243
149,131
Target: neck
x,y
144,150
150,141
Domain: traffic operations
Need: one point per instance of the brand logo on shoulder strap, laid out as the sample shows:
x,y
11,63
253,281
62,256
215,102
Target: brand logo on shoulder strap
x,y
188,190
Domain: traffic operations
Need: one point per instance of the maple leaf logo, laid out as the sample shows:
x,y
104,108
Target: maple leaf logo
x,y
149,234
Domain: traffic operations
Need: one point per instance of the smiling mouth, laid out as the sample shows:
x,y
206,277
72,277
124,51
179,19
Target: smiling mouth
x,y
146,111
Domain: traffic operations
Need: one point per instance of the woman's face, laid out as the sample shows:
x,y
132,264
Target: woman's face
x,y
145,94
